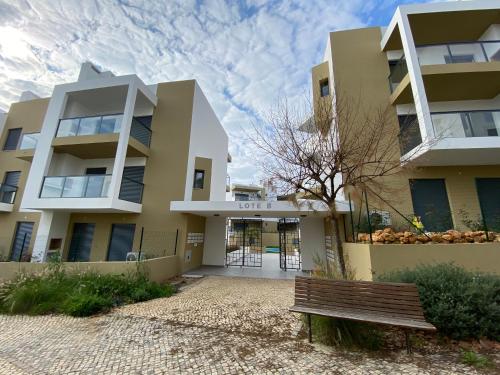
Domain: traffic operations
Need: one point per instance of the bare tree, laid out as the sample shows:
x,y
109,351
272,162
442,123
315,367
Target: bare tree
x,y
327,147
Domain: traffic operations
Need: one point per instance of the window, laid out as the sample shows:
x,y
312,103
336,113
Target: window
x,y
489,201
81,242
9,186
241,197
430,202
324,87
121,242
199,177
12,139
21,243
132,185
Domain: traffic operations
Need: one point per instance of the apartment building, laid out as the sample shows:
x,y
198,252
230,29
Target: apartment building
x,y
437,68
90,171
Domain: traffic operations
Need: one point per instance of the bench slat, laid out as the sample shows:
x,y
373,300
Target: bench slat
x,y
374,304
384,303
371,318
361,309
362,294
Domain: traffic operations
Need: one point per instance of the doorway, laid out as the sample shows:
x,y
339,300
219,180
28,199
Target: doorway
x,y
244,242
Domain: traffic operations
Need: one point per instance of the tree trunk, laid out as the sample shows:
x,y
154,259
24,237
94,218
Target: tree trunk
x,y
338,243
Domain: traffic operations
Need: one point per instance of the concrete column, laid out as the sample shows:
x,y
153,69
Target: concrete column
x,y
312,241
52,224
416,80
214,250
121,150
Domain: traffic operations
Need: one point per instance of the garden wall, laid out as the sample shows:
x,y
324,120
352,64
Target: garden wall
x,y
368,260
159,269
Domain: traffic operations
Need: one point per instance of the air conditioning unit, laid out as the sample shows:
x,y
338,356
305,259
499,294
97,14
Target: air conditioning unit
x,y
133,256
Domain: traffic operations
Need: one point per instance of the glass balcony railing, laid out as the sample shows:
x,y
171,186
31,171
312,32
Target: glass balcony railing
x,y
409,133
29,141
7,193
398,70
466,124
104,125
463,52
90,186
89,125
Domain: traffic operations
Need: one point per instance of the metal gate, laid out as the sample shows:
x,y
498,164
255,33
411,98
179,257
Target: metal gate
x,y
289,236
244,242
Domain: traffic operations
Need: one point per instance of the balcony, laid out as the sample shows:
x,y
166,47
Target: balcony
x,y
97,137
27,146
452,71
462,138
7,197
91,186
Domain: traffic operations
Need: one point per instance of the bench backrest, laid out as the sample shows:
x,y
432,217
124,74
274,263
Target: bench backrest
x,y
363,297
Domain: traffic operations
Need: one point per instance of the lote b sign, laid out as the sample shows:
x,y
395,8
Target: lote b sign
x,y
255,205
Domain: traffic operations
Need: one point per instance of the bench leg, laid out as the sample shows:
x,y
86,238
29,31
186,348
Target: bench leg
x,y
309,328
408,342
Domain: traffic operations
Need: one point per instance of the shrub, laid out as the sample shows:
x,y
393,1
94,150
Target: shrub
x,y
76,294
459,303
86,304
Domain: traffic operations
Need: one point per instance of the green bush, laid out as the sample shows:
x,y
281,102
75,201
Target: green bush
x,y
76,294
459,303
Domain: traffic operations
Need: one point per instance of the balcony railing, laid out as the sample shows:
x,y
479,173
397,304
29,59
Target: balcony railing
x,y
7,193
29,141
449,53
466,124
89,125
399,70
131,190
90,186
102,125
461,52
140,132
409,134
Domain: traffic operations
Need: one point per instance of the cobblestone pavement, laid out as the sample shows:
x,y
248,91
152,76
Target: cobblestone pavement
x,y
217,325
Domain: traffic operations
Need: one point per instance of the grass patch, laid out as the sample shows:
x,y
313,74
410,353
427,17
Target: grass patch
x,y
77,294
474,359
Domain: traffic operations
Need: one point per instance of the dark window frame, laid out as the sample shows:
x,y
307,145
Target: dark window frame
x,y
324,84
195,179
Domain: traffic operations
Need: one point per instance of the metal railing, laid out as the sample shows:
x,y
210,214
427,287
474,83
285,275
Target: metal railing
x,y
7,193
466,124
131,190
140,132
29,141
90,186
89,125
459,52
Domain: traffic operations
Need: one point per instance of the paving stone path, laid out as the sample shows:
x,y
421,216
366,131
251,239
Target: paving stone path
x,y
217,325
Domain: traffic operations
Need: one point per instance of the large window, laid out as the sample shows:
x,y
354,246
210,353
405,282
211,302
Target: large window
x,y
21,243
81,242
199,179
8,188
430,202
12,140
121,242
488,191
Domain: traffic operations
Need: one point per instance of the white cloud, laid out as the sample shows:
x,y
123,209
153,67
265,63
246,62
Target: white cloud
x,y
244,54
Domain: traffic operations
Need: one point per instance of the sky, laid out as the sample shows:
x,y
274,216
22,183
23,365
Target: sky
x,y
245,54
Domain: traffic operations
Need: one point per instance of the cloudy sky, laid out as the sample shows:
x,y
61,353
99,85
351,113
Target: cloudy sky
x,y
244,53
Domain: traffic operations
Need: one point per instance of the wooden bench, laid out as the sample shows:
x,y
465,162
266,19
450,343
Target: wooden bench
x,y
363,301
